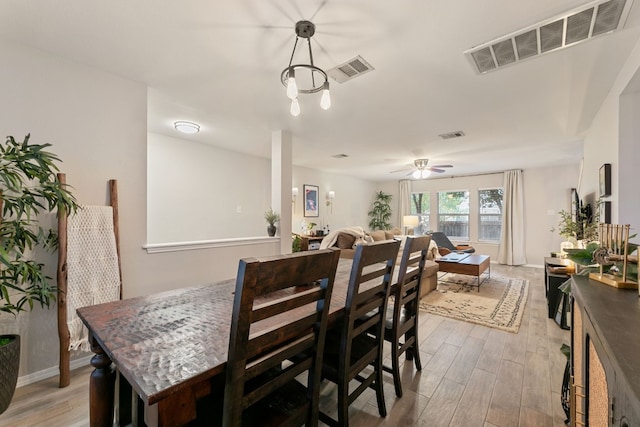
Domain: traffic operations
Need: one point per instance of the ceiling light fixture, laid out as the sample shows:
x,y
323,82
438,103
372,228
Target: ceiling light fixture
x,y
292,76
186,127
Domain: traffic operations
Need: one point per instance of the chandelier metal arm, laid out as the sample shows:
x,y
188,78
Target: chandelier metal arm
x,y
293,51
313,80
304,29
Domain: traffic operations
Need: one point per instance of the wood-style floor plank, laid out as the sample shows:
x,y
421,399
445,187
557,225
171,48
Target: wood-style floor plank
x,y
472,376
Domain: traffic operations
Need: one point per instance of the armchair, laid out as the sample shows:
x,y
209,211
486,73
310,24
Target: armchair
x,y
445,246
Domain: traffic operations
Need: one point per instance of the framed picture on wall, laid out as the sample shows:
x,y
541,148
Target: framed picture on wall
x,y
311,200
605,212
605,180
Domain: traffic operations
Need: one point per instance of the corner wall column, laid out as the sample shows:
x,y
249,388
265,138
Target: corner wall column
x,y
281,169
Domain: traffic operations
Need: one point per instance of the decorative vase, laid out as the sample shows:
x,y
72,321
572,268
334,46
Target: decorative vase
x,y
9,364
271,229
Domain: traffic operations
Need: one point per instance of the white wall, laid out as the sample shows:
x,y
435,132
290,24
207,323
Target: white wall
x,y
97,124
613,138
200,192
547,190
353,199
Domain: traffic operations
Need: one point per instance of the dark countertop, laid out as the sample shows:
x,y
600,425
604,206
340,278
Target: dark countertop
x,y
615,315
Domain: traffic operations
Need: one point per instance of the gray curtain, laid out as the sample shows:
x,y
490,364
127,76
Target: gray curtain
x,y
404,202
512,243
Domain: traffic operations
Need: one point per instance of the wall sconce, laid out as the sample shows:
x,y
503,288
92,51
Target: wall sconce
x,y
410,221
330,196
294,194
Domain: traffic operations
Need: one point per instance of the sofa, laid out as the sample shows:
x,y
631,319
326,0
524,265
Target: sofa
x,y
346,240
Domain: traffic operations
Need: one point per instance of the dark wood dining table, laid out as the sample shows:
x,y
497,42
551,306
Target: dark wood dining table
x,y
169,348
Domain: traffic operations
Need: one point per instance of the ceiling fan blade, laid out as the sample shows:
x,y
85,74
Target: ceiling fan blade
x,y
442,166
432,169
400,170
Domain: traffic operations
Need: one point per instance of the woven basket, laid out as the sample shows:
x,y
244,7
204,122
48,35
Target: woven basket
x,y
9,364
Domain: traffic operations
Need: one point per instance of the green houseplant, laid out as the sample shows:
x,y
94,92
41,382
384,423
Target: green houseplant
x,y
271,217
380,212
28,187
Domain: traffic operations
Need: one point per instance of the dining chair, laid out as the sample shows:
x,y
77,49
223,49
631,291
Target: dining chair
x,y
357,343
278,329
401,325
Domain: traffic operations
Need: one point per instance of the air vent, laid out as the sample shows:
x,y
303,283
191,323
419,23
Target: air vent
x,y
350,70
339,156
576,26
450,135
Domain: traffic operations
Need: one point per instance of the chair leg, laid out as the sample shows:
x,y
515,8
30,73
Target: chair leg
x,y
415,351
416,357
343,404
395,369
382,409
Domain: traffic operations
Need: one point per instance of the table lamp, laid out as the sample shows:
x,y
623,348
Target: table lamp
x,y
410,221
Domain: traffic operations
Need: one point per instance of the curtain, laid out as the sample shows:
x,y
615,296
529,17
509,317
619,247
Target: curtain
x,y
512,243
404,203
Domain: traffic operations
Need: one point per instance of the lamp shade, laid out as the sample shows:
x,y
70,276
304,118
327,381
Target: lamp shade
x,y
410,221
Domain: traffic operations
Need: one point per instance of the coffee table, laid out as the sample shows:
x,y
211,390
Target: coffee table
x,y
473,265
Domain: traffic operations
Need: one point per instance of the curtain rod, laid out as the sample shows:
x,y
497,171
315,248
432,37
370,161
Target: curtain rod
x,y
477,174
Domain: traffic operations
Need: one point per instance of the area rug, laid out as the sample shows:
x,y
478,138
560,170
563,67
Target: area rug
x,y
499,304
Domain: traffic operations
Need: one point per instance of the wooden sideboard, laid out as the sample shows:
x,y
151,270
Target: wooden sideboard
x,y
605,354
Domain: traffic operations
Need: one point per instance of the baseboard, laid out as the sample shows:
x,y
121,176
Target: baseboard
x,y
51,372
534,265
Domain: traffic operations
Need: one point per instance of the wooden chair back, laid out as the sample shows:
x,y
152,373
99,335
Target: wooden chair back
x,y
359,342
280,311
407,292
369,288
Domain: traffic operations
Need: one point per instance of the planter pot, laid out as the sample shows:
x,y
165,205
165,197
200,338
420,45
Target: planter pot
x,y
271,229
9,364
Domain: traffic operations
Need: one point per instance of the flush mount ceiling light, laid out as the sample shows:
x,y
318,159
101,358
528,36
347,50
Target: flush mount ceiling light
x,y
186,127
301,78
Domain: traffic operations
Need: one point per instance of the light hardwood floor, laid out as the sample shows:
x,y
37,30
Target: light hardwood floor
x,y
471,376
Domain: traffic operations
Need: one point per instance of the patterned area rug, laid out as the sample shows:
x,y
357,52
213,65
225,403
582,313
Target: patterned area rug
x,y
499,304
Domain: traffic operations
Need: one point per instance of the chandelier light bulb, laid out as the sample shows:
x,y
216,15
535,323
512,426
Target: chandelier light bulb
x,y
426,173
325,101
292,87
295,108
416,174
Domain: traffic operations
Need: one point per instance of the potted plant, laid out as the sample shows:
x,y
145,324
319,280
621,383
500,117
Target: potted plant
x,y
380,212
28,187
271,217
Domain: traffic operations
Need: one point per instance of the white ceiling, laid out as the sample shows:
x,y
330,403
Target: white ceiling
x,y
218,63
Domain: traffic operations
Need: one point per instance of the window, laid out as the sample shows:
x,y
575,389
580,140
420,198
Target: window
x,y
453,214
420,206
490,218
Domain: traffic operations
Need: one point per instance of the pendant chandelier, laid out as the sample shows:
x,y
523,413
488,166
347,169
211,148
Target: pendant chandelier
x,y
311,73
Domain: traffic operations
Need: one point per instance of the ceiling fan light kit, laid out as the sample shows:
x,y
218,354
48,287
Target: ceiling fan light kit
x,y
421,170
305,30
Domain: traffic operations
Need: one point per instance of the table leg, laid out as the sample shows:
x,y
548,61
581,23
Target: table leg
x,y
101,387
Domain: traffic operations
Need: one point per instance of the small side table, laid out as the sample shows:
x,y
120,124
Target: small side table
x,y
556,302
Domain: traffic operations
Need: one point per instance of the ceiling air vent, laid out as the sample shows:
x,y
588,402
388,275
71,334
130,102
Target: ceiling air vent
x,y
575,26
450,135
350,70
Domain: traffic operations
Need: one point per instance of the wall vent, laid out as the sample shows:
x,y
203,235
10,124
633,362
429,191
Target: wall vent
x,y
350,70
576,26
450,135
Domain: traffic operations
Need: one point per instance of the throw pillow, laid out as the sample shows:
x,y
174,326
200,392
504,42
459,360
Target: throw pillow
x,y
345,241
388,235
378,235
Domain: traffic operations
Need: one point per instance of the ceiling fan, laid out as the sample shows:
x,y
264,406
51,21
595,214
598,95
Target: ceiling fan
x,y
420,170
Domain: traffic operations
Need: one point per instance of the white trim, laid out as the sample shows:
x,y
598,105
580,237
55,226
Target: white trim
x,y
154,248
51,372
